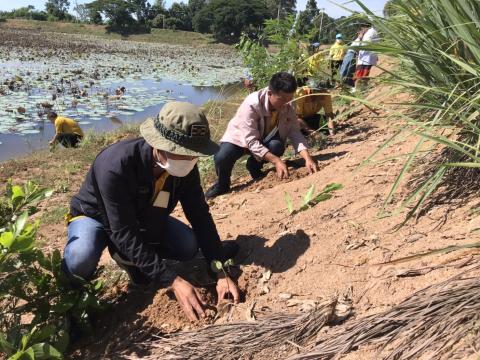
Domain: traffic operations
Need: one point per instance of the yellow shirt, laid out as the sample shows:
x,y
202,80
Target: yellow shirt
x,y
311,105
315,62
64,125
338,51
272,123
159,184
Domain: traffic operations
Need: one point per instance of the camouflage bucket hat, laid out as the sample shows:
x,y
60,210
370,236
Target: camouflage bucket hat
x,y
180,128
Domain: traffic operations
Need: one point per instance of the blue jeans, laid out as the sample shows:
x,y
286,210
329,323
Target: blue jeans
x,y
229,153
87,239
348,68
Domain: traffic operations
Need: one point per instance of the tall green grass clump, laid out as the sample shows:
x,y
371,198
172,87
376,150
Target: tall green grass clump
x,y
437,45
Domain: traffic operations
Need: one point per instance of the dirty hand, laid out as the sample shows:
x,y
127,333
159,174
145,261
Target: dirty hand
x,y
189,298
311,166
225,285
282,170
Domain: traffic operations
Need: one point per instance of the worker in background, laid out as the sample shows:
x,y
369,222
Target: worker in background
x,y
337,53
260,128
310,100
366,59
67,131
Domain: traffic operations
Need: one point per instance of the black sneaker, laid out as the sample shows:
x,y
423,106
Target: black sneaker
x,y
214,191
134,274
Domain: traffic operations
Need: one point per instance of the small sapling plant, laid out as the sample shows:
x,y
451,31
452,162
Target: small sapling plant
x,y
309,200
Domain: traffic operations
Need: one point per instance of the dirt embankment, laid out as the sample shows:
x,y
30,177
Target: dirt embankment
x,y
330,249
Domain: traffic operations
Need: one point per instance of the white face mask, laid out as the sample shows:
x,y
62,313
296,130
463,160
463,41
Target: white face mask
x,y
178,168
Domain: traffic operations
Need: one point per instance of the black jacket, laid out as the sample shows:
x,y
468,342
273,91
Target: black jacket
x,y
118,191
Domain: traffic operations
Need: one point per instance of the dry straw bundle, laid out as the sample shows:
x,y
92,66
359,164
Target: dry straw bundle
x,y
429,323
243,339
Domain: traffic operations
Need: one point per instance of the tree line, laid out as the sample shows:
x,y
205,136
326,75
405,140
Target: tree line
x,y
226,20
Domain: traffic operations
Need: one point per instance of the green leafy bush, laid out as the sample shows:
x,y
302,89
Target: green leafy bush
x,y
288,55
38,303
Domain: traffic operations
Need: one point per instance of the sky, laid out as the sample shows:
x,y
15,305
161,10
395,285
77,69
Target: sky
x,y
330,8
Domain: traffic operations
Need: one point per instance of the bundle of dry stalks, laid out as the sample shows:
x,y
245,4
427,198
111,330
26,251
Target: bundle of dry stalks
x,y
243,339
430,323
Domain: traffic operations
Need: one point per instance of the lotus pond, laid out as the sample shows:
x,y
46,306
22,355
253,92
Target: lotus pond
x,y
80,77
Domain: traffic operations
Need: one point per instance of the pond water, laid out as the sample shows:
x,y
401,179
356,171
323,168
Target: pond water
x,y
24,127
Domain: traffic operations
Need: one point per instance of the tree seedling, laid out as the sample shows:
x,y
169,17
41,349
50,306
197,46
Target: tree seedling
x,y
309,200
217,267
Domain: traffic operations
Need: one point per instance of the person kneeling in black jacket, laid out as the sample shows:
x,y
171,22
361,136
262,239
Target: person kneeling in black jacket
x,y
126,200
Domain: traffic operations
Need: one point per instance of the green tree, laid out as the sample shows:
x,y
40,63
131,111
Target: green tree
x,y
118,14
305,18
27,12
158,8
141,9
83,14
227,19
289,56
280,8
57,8
194,7
179,17
324,28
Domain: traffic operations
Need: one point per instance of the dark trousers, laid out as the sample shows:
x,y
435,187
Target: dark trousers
x,y
229,153
335,66
69,140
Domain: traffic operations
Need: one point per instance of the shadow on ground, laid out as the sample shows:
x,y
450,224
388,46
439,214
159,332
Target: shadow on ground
x,y
118,329
279,257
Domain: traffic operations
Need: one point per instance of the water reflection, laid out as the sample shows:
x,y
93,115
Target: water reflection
x,y
98,118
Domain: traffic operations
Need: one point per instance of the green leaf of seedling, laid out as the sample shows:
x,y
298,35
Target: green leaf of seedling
x,y
289,202
332,187
25,340
5,346
65,303
20,223
25,241
44,351
6,239
216,266
42,334
27,354
39,195
309,195
63,341
98,285
17,195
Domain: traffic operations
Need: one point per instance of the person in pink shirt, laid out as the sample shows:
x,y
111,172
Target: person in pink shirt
x,y
261,126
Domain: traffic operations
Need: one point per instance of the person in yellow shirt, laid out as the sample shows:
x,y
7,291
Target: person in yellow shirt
x,y
67,131
315,64
337,53
308,108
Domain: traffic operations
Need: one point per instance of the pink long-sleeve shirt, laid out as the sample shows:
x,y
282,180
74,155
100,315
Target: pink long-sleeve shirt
x,y
247,127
